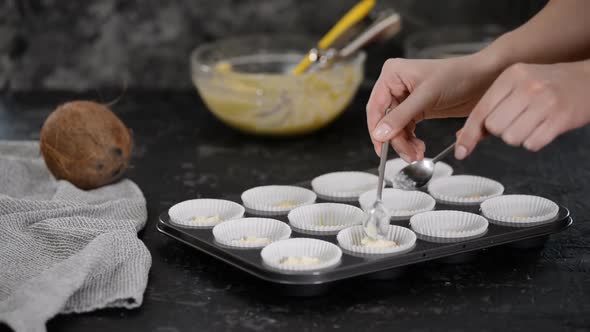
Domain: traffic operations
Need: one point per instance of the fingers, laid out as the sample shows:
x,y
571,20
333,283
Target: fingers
x,y
458,133
524,125
379,101
419,146
394,122
377,147
406,144
408,147
397,127
474,129
504,115
403,146
388,92
520,108
542,135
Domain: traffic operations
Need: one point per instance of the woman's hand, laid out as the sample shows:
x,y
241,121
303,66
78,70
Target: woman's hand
x,y
421,89
530,105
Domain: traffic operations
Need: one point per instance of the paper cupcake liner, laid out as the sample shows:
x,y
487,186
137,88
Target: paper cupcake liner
x,y
401,204
301,255
325,218
204,212
519,210
276,200
251,232
394,166
448,226
351,240
344,186
464,189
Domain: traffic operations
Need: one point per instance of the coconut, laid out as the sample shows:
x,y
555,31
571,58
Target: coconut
x,y
86,143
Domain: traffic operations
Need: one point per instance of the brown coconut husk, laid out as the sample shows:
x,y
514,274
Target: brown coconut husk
x,y
86,143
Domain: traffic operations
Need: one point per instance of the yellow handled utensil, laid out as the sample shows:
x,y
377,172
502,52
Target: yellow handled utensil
x,y
386,25
352,17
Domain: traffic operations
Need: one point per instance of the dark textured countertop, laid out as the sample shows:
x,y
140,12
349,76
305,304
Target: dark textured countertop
x,y
182,152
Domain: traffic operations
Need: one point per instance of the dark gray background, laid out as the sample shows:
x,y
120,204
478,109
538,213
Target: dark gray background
x,y
87,45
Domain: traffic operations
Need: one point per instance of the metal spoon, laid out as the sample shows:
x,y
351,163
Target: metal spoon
x,y
375,225
418,173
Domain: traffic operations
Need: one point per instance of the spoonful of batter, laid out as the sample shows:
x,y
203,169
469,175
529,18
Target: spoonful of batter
x,y
418,173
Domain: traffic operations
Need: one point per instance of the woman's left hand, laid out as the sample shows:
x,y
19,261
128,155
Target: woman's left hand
x,y
530,105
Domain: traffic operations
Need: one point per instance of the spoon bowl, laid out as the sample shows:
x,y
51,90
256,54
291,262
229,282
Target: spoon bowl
x,y
418,173
375,225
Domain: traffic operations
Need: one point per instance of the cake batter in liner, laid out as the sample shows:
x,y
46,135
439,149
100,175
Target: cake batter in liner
x,y
519,210
325,218
326,254
276,200
251,232
204,212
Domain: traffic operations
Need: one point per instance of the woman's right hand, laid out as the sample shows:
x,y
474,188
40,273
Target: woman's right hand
x,y
422,89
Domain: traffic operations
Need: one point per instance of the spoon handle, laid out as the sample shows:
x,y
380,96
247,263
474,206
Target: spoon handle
x,y
444,153
382,162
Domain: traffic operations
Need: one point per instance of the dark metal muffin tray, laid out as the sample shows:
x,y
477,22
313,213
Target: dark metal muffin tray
x,y
249,260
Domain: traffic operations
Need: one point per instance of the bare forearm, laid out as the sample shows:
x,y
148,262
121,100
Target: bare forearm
x,y
558,33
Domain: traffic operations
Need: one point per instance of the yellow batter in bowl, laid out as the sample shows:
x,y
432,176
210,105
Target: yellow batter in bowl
x,y
247,83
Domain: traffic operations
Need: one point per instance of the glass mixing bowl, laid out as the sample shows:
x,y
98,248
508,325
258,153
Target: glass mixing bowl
x,y
247,83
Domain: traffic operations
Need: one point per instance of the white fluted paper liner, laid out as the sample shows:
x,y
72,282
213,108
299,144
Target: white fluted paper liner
x,y
350,239
448,224
393,166
519,210
251,232
276,200
325,218
401,204
327,254
464,189
344,186
204,212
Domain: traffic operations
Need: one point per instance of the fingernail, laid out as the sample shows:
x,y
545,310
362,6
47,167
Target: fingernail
x,y
527,145
460,152
405,157
382,131
419,155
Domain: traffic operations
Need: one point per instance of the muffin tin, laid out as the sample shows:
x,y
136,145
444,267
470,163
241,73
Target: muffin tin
x,y
354,264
